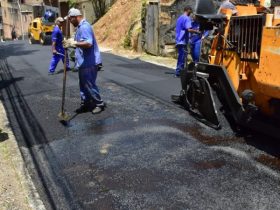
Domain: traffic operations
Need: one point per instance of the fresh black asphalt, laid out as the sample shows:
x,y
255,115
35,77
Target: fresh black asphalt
x,y
142,152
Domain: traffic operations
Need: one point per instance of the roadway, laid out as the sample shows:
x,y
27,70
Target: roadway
x,y
142,152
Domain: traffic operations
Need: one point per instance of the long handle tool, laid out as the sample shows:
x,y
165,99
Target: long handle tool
x,y
64,118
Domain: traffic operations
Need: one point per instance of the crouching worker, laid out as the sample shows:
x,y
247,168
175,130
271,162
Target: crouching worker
x,y
87,60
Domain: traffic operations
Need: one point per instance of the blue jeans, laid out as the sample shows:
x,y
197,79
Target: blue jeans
x,y
56,58
195,51
88,89
182,54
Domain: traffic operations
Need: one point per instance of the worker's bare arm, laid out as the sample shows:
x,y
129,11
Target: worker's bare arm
x,y
83,44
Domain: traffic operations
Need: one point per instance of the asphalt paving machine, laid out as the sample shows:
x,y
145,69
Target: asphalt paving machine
x,y
241,76
41,27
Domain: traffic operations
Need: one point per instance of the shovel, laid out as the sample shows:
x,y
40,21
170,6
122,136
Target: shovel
x,y
64,118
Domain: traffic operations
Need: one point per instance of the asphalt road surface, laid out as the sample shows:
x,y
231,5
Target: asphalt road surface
x,y
142,152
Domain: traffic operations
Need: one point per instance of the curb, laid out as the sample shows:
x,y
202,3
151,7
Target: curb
x,y
157,60
20,172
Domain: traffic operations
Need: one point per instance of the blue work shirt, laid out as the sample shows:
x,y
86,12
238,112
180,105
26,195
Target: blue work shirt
x,y
86,57
182,25
195,37
57,37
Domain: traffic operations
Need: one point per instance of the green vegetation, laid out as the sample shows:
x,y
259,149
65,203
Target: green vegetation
x,y
72,3
127,39
99,7
143,15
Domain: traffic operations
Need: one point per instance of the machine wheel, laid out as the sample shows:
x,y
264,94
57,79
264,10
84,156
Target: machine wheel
x,y
42,39
45,39
31,39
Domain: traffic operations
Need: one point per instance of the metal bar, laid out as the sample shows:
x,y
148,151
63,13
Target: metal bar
x,y
247,37
262,24
232,32
241,39
239,36
257,35
243,36
253,37
250,40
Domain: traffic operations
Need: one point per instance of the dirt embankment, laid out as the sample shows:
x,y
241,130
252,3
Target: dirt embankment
x,y
121,25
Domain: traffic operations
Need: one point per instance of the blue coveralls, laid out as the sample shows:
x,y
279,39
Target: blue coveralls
x,y
57,37
195,42
86,62
182,35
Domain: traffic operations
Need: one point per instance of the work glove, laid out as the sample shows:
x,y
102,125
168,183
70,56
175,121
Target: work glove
x,y
54,52
69,43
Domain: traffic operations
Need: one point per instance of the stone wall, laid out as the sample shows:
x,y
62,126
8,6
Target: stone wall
x,y
169,12
11,18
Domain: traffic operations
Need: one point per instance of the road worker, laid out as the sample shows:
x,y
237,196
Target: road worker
x,y
183,28
196,40
228,4
57,47
87,61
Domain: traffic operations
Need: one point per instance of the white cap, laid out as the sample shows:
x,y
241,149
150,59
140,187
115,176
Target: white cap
x,y
74,12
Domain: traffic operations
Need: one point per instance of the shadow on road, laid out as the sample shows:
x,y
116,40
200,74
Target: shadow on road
x,y
14,50
264,143
269,145
5,83
257,137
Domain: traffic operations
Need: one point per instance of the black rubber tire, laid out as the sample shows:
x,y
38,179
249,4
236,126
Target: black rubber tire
x,y
42,39
46,39
31,40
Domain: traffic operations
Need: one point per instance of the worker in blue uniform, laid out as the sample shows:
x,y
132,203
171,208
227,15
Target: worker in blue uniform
x,y
183,28
87,61
49,16
57,47
196,40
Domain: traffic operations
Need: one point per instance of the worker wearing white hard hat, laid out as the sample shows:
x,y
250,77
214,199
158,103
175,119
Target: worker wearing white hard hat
x,y
88,62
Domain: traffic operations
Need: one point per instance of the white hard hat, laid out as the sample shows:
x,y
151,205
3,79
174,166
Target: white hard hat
x,y
74,12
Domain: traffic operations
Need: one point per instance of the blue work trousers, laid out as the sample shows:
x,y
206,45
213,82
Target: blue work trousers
x,y
88,89
56,58
182,54
195,50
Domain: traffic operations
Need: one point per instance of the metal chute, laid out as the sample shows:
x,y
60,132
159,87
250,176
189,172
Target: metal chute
x,y
196,95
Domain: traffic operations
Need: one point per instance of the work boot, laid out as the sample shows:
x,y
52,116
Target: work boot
x,y
98,109
83,108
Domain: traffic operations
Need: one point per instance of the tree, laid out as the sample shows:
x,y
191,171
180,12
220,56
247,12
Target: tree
x,y
72,3
99,8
